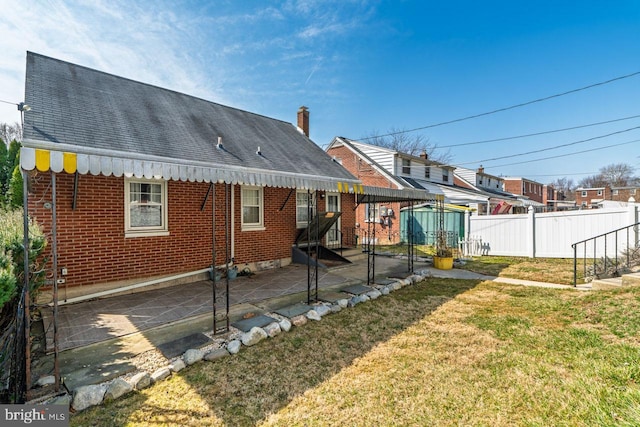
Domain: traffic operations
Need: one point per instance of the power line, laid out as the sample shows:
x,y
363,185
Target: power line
x,y
499,110
568,154
552,148
507,138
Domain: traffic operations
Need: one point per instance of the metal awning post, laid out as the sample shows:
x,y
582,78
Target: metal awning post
x,y
220,295
54,249
312,267
25,284
410,238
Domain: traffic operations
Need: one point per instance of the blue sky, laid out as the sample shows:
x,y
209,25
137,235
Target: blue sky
x,y
370,66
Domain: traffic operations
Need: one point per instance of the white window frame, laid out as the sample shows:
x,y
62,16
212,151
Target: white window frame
x,y
632,191
616,192
163,228
302,223
406,166
599,192
445,175
258,226
584,194
427,171
376,212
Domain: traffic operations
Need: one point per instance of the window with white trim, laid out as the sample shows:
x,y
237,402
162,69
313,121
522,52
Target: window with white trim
x,y
372,212
406,166
616,192
599,192
145,207
302,208
427,171
633,191
445,175
584,194
252,201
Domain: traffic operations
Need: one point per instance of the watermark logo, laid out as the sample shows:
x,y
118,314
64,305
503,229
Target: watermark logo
x,y
34,415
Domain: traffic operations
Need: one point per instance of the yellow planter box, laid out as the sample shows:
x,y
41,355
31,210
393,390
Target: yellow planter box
x,y
443,263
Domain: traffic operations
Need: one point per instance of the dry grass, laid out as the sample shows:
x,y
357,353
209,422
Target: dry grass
x,y
444,352
550,270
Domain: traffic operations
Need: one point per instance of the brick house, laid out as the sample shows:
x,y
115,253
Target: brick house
x,y
591,197
137,182
525,187
623,193
383,167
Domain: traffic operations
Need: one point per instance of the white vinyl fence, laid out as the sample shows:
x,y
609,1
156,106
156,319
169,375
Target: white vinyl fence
x,y
549,235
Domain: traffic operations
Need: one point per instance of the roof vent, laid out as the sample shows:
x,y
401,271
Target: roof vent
x,y
258,152
219,144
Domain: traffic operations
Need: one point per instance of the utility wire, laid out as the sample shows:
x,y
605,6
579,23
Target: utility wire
x,y
551,148
499,110
569,154
507,138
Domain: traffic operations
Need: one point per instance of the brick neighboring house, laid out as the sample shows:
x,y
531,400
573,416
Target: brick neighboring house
x,y
622,194
352,157
525,187
138,174
383,167
590,198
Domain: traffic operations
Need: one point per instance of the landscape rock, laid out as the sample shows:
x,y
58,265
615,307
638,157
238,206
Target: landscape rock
x,y
177,365
364,298
343,303
233,347
313,315
335,308
285,325
272,329
193,355
385,290
322,310
88,395
374,294
160,374
118,387
253,337
216,354
299,320
140,380
45,380
64,400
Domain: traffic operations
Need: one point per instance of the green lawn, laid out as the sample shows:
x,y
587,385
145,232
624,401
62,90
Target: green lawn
x,y
443,352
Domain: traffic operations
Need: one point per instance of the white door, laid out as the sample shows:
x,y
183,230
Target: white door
x,y
333,205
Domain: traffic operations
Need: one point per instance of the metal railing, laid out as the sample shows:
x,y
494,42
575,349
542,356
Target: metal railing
x,y
600,259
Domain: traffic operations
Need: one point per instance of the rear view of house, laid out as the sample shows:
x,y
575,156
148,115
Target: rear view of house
x,y
138,182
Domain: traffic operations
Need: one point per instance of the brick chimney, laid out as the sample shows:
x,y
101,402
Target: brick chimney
x,y
480,169
303,119
423,155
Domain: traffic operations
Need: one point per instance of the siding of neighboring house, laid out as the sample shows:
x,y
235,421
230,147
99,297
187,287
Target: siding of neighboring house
x,y
93,248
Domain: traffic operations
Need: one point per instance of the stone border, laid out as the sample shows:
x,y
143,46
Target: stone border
x,y
92,395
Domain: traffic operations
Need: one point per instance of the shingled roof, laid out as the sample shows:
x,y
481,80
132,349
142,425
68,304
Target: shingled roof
x,y
114,125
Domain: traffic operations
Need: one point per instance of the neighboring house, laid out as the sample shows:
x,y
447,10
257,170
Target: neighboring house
x,y
525,187
589,198
383,167
497,200
147,182
622,194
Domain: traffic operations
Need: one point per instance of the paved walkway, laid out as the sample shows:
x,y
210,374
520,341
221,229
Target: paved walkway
x,y
98,338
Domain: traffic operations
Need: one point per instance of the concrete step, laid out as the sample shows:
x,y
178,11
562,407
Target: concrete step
x,y
602,284
631,279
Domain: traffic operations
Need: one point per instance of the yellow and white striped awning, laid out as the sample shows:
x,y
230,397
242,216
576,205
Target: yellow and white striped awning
x,y
100,163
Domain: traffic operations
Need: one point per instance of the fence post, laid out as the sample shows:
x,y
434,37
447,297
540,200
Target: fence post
x,y
633,219
531,232
467,225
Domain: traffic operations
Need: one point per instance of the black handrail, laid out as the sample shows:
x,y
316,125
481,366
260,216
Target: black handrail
x,y
615,262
